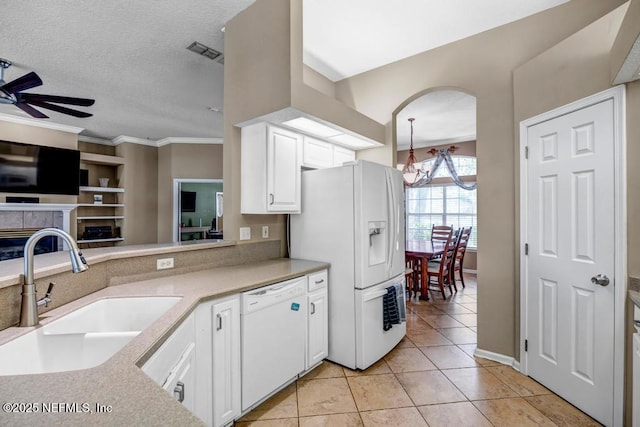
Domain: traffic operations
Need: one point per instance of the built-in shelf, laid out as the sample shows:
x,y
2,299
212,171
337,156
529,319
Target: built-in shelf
x,y
104,205
102,190
112,239
101,159
100,217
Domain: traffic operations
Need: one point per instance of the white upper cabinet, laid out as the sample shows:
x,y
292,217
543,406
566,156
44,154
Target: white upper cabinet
x,y
270,170
342,155
317,154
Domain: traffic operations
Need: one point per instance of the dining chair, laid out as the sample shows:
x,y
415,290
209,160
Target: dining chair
x,y
439,235
458,259
412,274
439,272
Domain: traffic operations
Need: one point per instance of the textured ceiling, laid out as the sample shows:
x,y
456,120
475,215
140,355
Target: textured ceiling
x,y
131,56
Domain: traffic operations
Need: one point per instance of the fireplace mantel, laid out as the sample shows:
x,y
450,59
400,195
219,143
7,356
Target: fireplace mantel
x,y
65,208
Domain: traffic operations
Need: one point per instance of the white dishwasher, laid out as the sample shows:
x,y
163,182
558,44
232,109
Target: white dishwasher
x,y
273,338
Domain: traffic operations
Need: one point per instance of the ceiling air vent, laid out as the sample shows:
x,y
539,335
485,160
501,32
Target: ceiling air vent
x,y
203,50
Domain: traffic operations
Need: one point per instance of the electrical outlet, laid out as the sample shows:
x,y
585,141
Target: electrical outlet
x,y
265,231
245,233
164,263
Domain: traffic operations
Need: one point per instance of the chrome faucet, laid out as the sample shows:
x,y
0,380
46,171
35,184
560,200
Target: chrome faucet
x,y
29,311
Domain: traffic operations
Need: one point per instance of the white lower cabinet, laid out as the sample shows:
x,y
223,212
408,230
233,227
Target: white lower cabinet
x,y
218,360
173,366
199,364
317,319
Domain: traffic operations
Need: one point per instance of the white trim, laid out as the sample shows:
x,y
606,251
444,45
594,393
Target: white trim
x,y
177,140
39,123
496,357
165,141
467,270
617,94
85,138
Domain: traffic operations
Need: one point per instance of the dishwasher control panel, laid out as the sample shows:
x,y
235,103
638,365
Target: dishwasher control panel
x,y
267,296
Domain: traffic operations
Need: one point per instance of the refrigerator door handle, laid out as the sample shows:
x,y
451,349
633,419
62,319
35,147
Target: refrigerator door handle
x,y
392,222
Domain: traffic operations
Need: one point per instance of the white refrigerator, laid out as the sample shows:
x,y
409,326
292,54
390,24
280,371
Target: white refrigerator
x,y
353,217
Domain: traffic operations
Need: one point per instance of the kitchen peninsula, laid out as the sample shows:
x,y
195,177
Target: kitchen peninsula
x,y
119,385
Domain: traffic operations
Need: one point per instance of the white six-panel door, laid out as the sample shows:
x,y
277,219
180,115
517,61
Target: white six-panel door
x,y
570,235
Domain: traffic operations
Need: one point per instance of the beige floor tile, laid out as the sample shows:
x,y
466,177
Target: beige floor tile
x,y
343,420
470,319
561,412
520,383
455,309
428,338
441,321
325,370
459,335
325,396
478,383
429,387
448,357
470,306
462,414
372,392
404,417
461,297
408,360
418,325
474,329
282,422
512,412
405,342
283,404
380,367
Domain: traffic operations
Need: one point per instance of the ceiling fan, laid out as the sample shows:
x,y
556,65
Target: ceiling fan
x,y
12,93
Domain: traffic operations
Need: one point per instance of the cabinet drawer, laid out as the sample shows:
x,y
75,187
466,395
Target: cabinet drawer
x,y
318,280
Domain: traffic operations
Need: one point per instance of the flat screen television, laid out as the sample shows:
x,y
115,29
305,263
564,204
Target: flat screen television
x,y
27,168
188,201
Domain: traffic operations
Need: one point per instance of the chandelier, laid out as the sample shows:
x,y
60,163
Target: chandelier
x,y
410,173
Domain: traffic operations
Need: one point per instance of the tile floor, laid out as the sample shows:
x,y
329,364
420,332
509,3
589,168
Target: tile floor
x,y
430,379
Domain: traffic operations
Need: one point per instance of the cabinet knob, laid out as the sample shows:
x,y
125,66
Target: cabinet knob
x,y
313,308
271,198
219,322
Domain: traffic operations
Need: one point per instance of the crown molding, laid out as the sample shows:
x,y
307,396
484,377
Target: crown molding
x,y
178,140
93,140
39,123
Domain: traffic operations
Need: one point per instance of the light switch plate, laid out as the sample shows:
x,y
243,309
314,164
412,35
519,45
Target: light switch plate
x,y
245,233
265,231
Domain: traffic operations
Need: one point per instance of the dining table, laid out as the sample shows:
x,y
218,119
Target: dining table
x,y
424,250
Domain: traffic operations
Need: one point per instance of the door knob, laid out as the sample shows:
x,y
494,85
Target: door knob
x,y
600,279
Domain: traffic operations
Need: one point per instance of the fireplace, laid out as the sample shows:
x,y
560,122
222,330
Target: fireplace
x,y
18,221
12,243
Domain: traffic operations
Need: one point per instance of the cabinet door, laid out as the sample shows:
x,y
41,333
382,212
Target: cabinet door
x,y
283,170
181,382
318,328
316,154
342,155
226,361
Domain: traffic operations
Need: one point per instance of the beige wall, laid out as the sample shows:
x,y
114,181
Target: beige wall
x,y
483,66
182,161
139,177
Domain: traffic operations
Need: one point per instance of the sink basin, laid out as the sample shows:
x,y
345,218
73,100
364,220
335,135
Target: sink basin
x,y
84,338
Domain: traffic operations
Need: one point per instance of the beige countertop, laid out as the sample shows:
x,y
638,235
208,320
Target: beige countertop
x,y
58,262
135,399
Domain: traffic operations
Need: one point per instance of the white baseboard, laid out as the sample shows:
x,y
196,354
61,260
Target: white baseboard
x,y
496,357
466,270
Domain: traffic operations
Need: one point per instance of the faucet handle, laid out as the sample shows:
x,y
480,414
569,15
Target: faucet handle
x,y
49,289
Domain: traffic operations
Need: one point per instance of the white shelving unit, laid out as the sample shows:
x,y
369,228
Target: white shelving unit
x,y
101,190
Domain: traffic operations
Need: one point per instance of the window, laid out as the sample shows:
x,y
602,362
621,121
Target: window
x,y
442,204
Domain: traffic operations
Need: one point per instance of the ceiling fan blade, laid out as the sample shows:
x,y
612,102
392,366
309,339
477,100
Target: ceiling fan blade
x,y
30,97
31,111
60,109
25,82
